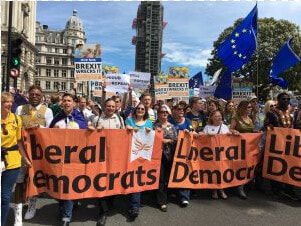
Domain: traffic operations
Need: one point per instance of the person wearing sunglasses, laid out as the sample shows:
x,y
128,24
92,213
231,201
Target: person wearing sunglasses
x,y
169,145
270,104
139,121
242,123
33,115
280,117
12,150
180,122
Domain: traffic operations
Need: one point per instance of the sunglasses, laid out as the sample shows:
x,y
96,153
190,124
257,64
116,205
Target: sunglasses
x,y
142,109
273,105
5,131
164,112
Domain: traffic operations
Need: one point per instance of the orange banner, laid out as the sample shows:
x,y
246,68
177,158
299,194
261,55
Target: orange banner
x,y
214,162
77,164
282,158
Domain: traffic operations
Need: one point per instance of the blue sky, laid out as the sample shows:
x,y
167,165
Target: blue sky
x,y
187,39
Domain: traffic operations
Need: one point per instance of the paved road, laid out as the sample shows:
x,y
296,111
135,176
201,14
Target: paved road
x,y
259,209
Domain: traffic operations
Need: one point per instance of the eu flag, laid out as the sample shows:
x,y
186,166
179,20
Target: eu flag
x,y
196,81
285,58
236,51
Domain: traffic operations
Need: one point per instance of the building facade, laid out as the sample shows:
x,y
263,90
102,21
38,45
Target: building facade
x,y
23,27
149,27
55,62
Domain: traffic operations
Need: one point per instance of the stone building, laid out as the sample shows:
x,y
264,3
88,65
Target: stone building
x,y
55,65
23,27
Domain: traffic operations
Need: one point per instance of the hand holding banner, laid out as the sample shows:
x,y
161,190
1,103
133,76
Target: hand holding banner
x,y
214,162
96,165
282,158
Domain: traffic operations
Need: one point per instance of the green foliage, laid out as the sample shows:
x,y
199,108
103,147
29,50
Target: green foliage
x,y
272,34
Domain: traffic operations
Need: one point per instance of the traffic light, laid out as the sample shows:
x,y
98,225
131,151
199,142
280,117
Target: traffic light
x,y
16,52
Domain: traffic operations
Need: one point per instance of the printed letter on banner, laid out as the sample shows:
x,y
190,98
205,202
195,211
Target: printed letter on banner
x,y
96,165
214,162
282,158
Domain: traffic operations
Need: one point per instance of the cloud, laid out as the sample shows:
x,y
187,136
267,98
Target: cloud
x,y
185,55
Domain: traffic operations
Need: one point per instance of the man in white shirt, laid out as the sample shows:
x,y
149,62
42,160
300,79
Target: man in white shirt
x,y
82,108
32,115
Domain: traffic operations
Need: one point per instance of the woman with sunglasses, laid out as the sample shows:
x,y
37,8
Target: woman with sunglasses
x,y
169,145
269,105
242,123
181,123
12,150
139,121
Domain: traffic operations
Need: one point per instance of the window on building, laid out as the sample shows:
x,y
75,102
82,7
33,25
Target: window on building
x,y
38,83
56,73
48,72
64,61
72,62
56,61
71,85
39,71
47,84
57,50
64,73
72,74
65,51
56,85
49,49
63,86
48,60
73,42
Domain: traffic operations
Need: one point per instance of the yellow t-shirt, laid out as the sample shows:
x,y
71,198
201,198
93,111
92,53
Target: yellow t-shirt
x,y
13,158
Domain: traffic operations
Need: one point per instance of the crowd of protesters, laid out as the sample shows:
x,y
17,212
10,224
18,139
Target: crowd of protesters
x,y
200,116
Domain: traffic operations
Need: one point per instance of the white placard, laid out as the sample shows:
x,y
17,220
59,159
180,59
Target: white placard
x,y
206,91
117,83
140,80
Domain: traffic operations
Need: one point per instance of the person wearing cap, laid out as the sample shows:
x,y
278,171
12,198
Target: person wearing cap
x,y
255,114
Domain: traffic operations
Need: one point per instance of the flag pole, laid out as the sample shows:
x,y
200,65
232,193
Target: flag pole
x,y
257,57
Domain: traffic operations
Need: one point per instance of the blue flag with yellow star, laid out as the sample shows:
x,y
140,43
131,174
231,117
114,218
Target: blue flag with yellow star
x,y
285,58
196,81
236,51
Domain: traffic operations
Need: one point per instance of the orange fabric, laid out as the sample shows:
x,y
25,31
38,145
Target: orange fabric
x,y
212,162
282,159
104,173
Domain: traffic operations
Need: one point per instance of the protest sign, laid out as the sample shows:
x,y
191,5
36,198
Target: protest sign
x,y
214,162
206,91
117,83
96,88
140,80
96,165
168,86
87,62
282,159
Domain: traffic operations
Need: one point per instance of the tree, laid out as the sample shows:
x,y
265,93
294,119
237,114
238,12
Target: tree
x,y
272,34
